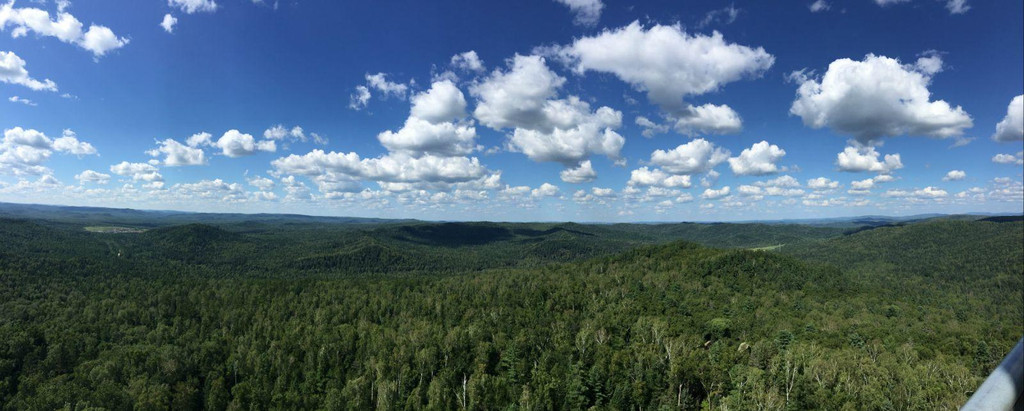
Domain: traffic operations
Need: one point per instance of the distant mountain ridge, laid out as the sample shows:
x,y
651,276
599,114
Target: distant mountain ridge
x,y
156,218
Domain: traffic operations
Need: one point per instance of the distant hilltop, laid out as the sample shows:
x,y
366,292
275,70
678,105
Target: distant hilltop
x,y
155,218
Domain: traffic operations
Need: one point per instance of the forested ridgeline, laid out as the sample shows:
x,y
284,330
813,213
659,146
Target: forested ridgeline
x,y
300,249
182,318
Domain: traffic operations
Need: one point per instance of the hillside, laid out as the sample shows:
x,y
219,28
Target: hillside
x,y
962,252
240,321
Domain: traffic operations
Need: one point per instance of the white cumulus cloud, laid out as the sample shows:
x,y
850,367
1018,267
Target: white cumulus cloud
x,y
97,39
712,194
545,128
760,159
822,183
23,151
1011,128
468,61
194,6
697,156
431,127
168,23
669,65
1009,158
177,154
955,175
583,173
877,97
443,102
234,143
708,119
645,176
137,171
90,176
418,137
12,71
516,98
865,158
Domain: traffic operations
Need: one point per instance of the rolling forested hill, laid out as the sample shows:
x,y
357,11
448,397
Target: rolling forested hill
x,y
417,315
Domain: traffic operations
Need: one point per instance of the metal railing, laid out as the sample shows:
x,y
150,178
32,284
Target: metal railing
x,y
1003,388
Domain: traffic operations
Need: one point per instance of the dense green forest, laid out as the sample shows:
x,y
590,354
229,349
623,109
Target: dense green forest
x,y
282,313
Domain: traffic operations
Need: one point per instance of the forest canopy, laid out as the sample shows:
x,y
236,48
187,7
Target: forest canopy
x,y
413,315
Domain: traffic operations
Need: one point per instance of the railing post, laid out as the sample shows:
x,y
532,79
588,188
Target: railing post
x,y
1002,389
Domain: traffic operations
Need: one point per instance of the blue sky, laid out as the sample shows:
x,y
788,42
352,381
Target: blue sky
x,y
583,110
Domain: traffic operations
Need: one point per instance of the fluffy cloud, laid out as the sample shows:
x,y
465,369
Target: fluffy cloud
x,y
1006,189
30,138
708,119
865,184
819,5
380,82
392,168
97,39
90,176
516,98
877,97
23,151
587,12
468,61
296,133
785,186
177,154
822,183
418,137
361,98
69,143
697,156
194,6
645,176
578,134
234,143
200,139
668,63
865,158
954,175
443,102
12,71
262,183
545,190
562,130
211,189
1009,158
429,129
863,187
712,194
757,160
137,171
584,173
923,193
650,128
168,23
1011,128
785,181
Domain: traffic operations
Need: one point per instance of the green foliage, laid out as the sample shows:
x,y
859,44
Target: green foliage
x,y
512,316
